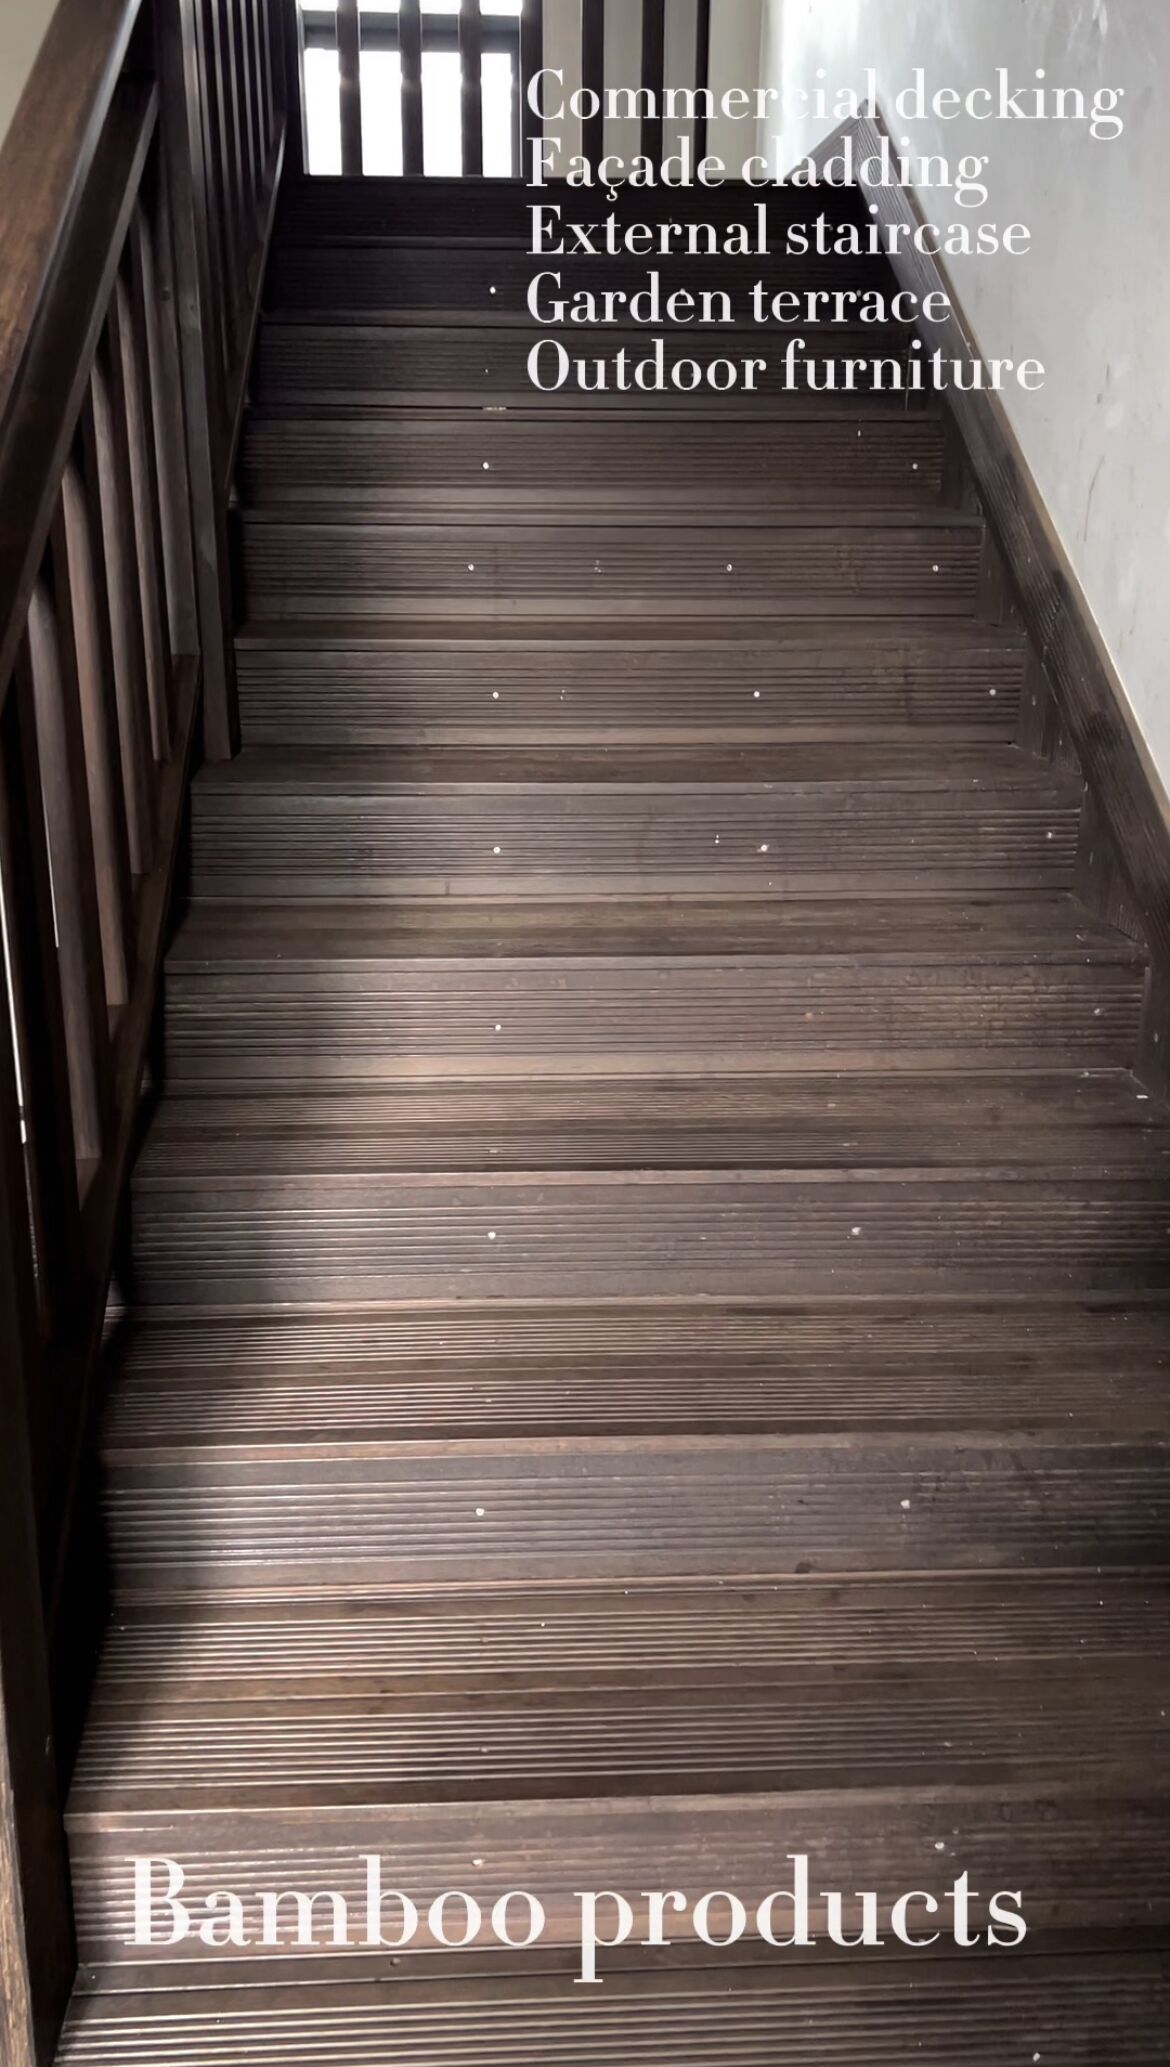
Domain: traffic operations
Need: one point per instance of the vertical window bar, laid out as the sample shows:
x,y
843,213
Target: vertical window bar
x,y
653,74
471,69
702,74
593,74
410,46
349,62
531,61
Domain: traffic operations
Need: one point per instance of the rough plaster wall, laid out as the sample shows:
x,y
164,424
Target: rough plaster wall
x,y
1092,300
22,28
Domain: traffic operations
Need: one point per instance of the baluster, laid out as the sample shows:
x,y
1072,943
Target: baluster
x,y
471,74
653,74
50,663
128,350
37,1014
103,438
95,683
349,65
250,152
593,74
152,284
226,264
531,61
410,49
702,73
265,55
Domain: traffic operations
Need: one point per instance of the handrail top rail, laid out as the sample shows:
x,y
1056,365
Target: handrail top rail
x,y
46,158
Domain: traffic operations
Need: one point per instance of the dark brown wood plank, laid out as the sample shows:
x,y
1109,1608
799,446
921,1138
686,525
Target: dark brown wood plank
x,y
410,49
104,433
702,73
531,62
470,67
593,74
128,350
653,74
349,62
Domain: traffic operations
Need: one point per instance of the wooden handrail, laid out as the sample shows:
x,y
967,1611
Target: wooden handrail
x,y
137,190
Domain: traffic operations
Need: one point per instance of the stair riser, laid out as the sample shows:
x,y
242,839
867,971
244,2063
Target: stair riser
x,y
543,844
383,361
318,693
259,1241
461,281
377,1022
885,568
332,210
885,459
627,1512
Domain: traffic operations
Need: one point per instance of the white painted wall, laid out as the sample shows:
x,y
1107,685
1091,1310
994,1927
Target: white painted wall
x,y
1092,300
22,28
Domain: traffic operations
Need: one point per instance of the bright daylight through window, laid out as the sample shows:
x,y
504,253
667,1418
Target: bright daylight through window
x,y
382,87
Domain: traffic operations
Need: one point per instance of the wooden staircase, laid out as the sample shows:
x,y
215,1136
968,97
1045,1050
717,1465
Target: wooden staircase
x,y
650,1312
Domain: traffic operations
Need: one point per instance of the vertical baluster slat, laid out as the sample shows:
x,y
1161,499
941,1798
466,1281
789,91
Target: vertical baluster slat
x,y
104,439
702,73
222,208
153,290
349,67
49,657
265,55
471,76
653,74
128,347
410,49
102,762
531,62
593,74
39,1031
250,152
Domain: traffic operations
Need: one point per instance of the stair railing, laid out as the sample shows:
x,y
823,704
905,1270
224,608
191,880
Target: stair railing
x,y
137,186
348,31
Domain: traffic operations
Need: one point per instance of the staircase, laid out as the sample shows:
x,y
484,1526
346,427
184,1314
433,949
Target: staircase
x,y
650,1333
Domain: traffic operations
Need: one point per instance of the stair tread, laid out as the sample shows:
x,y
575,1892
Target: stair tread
x,y
943,637
1078,2011
902,765
1037,930
263,1386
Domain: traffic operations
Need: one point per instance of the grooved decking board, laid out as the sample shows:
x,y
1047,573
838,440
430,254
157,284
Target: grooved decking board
x,y
800,1633
322,993
302,1750
1095,1123
249,1385
298,564
485,282
522,457
1080,2012
1087,1861
340,683
508,1235
339,209
425,364
578,1511
804,818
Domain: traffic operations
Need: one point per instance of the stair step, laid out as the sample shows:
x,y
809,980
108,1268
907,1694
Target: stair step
x,y
343,683
338,210
1077,2011
573,1511
503,463
289,995
485,280
1085,1861
306,1750
483,1647
388,360
241,1385
861,561
799,819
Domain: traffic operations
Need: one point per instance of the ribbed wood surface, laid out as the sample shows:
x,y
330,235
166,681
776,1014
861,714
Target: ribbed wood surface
x,y
523,458
1079,2012
887,1840
296,564
542,825
573,1511
430,363
342,683
651,1276
482,280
